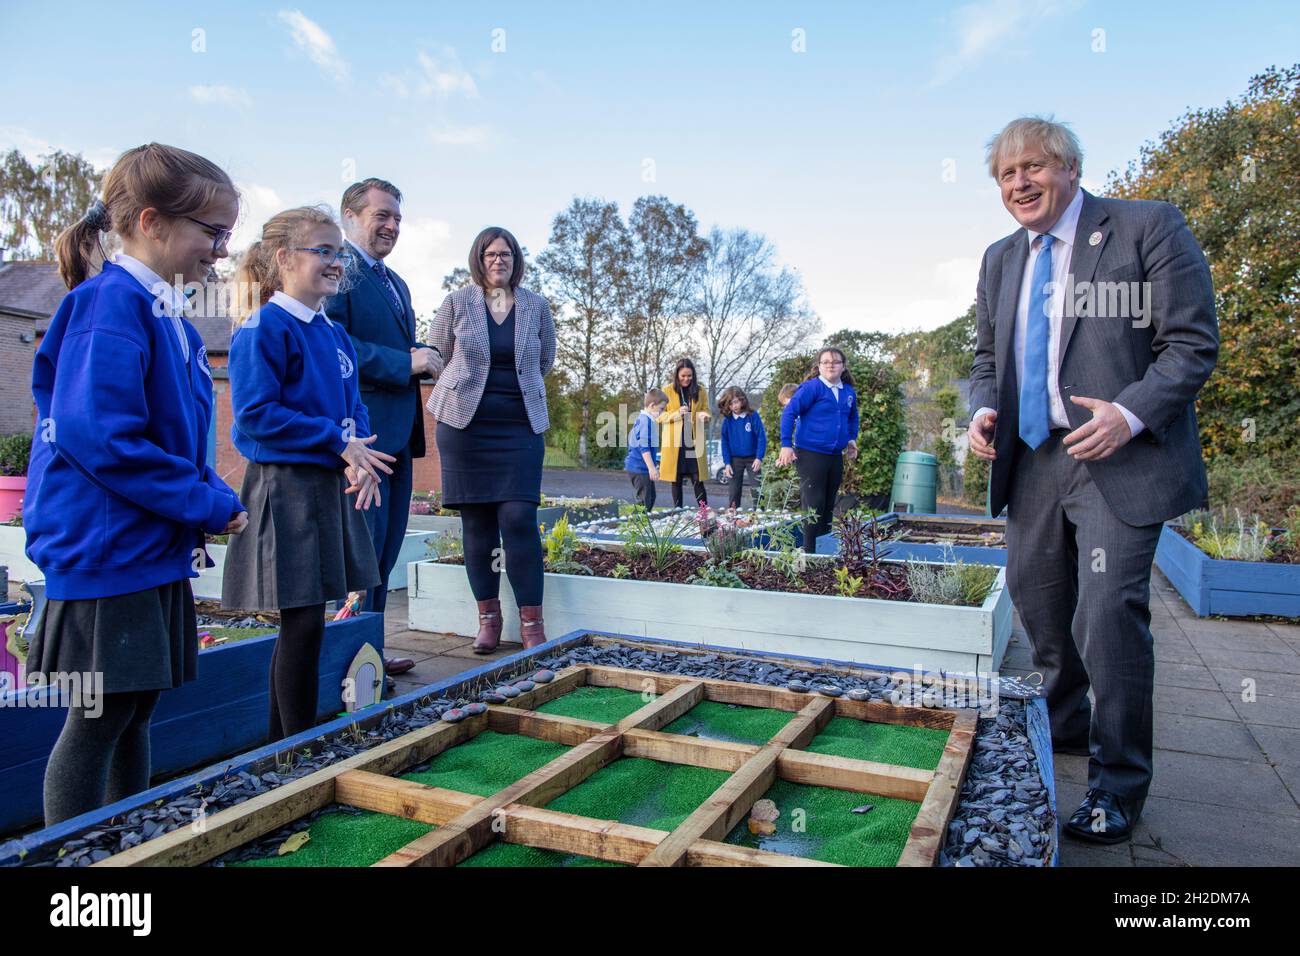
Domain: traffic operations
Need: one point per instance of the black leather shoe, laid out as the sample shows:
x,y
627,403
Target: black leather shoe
x,y
1103,817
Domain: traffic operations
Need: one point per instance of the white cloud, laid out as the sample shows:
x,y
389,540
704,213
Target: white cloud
x,y
257,205
423,255
459,135
221,96
988,24
35,147
312,39
440,76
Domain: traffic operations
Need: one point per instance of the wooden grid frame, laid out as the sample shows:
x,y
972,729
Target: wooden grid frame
x,y
466,823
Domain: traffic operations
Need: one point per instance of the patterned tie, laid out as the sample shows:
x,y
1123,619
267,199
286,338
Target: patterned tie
x,y
382,272
1033,390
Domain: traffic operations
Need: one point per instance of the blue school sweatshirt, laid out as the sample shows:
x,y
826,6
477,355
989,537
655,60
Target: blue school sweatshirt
x,y
825,426
119,492
743,437
642,438
293,388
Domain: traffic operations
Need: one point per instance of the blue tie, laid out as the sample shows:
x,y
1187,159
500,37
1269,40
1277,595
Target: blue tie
x,y
1033,390
382,272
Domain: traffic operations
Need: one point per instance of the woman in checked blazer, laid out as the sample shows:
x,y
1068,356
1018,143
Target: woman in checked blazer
x,y
497,340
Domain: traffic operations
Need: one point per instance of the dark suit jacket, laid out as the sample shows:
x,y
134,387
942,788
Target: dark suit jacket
x,y
383,338
1153,366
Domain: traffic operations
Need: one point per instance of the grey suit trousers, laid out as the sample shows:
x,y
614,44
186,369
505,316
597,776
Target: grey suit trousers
x,y
1081,580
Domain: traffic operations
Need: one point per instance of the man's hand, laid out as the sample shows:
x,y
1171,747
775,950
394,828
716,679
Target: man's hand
x,y
1101,437
786,457
236,524
980,435
851,450
425,362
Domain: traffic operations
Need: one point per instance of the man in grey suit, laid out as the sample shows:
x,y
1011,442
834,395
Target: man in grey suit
x,y
1096,330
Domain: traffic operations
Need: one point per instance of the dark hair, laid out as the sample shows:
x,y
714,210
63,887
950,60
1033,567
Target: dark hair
x,y
692,393
846,376
655,396
485,238
174,181
729,395
354,197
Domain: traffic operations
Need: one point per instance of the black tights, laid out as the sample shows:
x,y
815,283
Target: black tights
x,y
99,758
486,528
295,666
688,467
819,485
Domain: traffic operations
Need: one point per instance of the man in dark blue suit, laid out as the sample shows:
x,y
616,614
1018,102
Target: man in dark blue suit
x,y
376,310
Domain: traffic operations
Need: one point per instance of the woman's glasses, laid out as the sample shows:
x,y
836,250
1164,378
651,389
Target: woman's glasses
x,y
328,256
220,235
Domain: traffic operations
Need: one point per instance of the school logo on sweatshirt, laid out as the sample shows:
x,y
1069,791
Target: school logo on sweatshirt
x,y
749,427
345,364
204,367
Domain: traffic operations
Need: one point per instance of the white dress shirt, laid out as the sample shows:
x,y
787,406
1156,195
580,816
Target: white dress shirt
x,y
370,261
168,300
1063,234
834,387
295,308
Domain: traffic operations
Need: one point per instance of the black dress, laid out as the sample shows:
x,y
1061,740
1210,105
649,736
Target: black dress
x,y
498,456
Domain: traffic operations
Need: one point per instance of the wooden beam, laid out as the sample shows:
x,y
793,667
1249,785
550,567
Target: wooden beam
x,y
902,715
692,751
401,798
566,680
714,818
569,731
860,776
931,823
712,853
260,815
464,836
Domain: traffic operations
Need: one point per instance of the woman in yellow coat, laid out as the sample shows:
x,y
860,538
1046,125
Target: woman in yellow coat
x,y
684,423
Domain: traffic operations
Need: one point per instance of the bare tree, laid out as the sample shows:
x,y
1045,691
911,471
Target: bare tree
x,y
664,250
749,313
581,270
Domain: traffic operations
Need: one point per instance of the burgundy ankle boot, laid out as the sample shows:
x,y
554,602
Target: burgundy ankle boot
x,y
489,626
531,628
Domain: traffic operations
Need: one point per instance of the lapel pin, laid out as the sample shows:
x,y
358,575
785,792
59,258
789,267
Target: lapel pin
x,y
1095,239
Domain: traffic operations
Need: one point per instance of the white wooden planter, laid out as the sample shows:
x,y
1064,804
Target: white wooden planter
x,y
208,583
439,523
415,548
13,542
890,633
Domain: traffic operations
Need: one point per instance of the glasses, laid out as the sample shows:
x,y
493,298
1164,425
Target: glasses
x,y
498,256
220,235
328,256
830,362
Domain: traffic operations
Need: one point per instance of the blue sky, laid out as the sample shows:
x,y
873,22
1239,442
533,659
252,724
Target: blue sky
x,y
501,113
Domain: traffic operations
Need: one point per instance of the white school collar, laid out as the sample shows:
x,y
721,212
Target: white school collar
x,y
295,308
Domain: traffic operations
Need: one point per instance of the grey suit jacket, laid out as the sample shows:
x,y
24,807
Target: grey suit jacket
x,y
1153,366
460,333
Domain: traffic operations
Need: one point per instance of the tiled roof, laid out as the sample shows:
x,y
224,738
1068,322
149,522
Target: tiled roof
x,y
32,287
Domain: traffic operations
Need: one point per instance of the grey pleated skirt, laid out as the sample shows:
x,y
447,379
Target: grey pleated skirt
x,y
145,640
306,543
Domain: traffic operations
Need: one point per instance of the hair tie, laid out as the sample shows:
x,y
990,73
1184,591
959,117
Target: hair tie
x,y
97,216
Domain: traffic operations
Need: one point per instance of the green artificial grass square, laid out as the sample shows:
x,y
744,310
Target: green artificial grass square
x,y
646,793
819,823
487,762
712,720
346,839
919,747
606,705
514,854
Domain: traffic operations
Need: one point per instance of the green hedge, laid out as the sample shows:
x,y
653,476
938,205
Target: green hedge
x,y
15,452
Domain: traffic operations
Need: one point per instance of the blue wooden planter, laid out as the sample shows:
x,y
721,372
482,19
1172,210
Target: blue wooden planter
x,y
1231,588
916,551
224,711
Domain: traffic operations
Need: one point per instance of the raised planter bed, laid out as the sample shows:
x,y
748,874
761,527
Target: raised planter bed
x,y
940,527
223,712
607,529
863,630
414,548
1230,588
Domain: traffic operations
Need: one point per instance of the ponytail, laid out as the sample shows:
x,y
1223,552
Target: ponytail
x,y
75,245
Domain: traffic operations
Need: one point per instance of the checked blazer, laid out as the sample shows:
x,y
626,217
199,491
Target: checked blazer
x,y
460,334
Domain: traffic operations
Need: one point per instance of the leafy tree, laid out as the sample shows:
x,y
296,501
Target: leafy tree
x,y
37,202
1234,172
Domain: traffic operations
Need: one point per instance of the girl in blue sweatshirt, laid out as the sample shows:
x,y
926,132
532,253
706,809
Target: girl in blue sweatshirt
x,y
300,422
744,442
119,492
825,409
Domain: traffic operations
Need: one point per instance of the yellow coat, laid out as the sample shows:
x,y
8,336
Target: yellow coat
x,y
670,435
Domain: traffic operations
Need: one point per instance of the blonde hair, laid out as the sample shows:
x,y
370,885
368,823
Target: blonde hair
x,y
1056,139
174,181
258,273
655,396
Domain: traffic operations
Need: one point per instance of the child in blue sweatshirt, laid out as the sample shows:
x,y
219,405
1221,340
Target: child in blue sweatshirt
x,y
743,440
642,458
825,410
300,422
119,491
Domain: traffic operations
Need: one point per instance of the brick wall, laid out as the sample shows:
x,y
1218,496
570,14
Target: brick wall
x,y
17,409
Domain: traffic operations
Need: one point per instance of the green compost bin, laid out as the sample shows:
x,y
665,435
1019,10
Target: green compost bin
x,y
915,478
